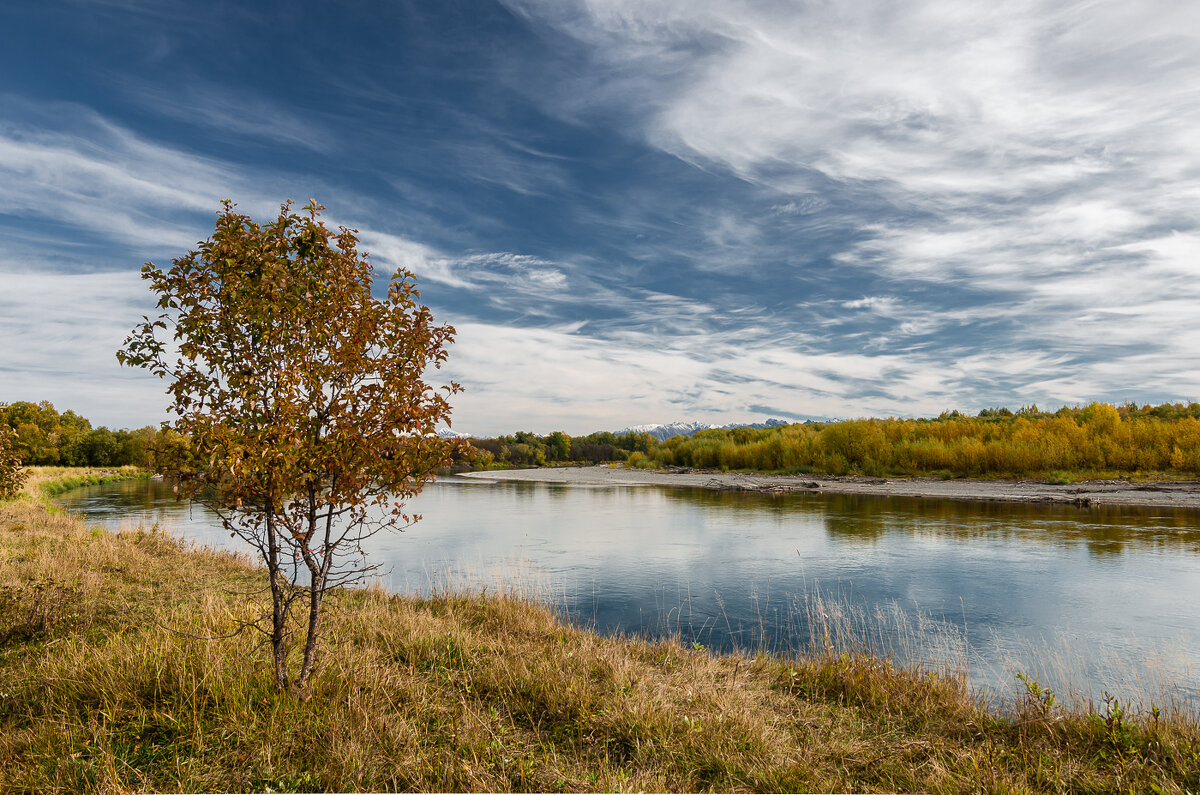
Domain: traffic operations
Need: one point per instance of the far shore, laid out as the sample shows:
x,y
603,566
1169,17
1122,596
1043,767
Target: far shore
x,y
1087,493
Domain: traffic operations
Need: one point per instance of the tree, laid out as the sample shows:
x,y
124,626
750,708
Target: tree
x,y
103,448
299,401
558,446
11,475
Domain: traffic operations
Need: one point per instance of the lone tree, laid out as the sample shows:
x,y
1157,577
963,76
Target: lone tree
x,y
301,401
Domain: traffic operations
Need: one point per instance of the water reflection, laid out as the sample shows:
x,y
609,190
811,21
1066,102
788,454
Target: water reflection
x,y
738,569
869,518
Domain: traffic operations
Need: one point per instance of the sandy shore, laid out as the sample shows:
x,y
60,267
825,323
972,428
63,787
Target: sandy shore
x,y
1166,494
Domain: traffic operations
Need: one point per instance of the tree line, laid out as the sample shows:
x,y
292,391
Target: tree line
x,y
1098,438
525,448
41,436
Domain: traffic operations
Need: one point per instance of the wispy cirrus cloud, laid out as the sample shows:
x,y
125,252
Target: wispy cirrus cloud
x,y
683,209
61,333
499,273
557,378
107,181
223,111
1032,164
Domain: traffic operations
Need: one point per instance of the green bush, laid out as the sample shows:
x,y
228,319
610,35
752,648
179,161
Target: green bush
x,y
639,460
12,476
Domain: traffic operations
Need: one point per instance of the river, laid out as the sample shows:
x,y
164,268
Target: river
x,y
1085,600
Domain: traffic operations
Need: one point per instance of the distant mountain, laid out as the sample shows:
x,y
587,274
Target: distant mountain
x,y
660,431
664,432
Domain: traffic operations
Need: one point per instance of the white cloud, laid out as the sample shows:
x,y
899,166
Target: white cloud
x,y
1033,154
68,166
559,379
502,274
225,112
390,252
122,192
103,182
879,304
61,333
1035,161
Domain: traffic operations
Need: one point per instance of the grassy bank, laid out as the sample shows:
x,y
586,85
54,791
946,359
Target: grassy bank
x,y
106,684
52,481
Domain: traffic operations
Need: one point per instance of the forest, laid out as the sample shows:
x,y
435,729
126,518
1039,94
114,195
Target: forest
x,y
1098,439
528,449
44,437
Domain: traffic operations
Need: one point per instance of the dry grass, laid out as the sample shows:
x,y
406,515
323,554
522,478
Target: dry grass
x,y
475,693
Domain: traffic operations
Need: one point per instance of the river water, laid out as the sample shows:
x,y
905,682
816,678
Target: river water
x,y
1084,600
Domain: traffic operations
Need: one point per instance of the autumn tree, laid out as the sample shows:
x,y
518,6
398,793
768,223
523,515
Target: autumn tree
x,y
12,476
300,400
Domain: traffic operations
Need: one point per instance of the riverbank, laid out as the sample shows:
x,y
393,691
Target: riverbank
x,y
1161,494
109,682
50,481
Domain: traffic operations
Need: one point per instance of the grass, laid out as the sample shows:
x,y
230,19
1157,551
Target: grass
x,y
107,684
52,481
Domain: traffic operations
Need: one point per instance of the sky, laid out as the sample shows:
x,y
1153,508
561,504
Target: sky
x,y
634,211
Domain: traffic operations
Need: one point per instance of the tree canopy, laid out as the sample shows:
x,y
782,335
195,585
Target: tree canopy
x,y
43,436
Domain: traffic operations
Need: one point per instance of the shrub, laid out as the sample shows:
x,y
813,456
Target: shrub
x,y
12,476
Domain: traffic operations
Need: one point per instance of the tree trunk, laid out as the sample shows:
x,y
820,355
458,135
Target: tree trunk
x,y
278,606
318,575
316,594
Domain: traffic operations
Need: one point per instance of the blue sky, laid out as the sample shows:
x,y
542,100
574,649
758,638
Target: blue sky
x,y
635,211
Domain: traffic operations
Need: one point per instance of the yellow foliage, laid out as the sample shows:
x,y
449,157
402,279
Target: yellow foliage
x,y
1096,438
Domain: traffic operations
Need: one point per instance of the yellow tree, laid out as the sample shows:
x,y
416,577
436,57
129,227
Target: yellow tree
x,y
302,398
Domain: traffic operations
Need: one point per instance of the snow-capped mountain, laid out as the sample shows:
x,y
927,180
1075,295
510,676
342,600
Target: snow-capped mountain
x,y
663,432
660,431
